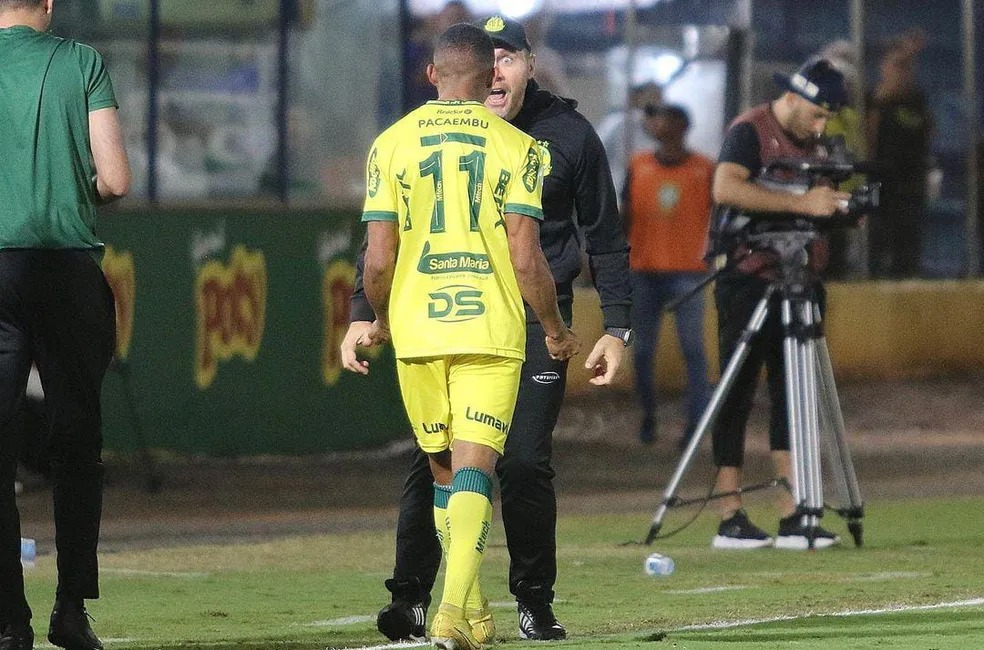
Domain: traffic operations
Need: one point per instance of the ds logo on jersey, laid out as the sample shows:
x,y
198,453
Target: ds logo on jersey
x,y
455,303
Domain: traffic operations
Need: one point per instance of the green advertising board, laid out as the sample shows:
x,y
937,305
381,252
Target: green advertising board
x,y
229,325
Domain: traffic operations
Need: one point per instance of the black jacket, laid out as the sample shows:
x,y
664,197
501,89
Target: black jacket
x,y
578,201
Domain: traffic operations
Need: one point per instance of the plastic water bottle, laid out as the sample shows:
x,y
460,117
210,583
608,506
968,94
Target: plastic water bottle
x,y
659,565
29,552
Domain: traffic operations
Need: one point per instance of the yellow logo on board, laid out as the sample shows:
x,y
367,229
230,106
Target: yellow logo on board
x,y
230,306
495,24
120,273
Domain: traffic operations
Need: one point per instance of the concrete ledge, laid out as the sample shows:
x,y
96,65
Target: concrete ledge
x,y
875,330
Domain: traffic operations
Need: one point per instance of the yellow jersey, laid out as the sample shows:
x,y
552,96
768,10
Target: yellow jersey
x,y
446,174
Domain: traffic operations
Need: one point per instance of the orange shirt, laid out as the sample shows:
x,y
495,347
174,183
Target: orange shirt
x,y
669,209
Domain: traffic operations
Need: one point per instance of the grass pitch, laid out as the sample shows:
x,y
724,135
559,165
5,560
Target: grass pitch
x,y
917,583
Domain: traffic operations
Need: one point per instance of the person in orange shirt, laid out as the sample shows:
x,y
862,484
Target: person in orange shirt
x,y
666,209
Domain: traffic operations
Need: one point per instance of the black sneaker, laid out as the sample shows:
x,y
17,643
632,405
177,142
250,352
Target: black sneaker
x,y
536,618
740,533
405,618
793,535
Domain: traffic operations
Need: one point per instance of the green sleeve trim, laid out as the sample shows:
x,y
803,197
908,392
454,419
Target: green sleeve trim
x,y
527,210
105,103
379,215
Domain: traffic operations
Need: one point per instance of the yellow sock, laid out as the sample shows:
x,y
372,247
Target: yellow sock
x,y
442,493
469,519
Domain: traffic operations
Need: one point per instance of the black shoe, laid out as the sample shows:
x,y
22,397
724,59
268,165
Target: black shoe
x,y
405,618
738,532
794,535
70,628
16,636
536,618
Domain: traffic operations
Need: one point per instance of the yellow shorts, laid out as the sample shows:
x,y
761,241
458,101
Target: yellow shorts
x,y
459,397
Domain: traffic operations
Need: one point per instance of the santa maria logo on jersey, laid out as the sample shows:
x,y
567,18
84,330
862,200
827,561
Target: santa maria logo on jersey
x,y
669,197
545,160
373,175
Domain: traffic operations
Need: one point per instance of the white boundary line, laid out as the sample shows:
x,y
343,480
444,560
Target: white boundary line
x,y
390,646
723,625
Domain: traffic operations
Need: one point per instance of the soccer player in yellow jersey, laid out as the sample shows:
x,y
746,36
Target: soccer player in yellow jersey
x,y
453,209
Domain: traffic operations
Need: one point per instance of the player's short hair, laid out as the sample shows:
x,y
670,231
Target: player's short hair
x,y
465,38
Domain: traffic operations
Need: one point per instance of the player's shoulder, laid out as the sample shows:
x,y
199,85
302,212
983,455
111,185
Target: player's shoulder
x,y
76,49
512,136
394,134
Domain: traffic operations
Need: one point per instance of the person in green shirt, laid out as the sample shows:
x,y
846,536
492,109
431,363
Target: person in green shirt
x,y
62,152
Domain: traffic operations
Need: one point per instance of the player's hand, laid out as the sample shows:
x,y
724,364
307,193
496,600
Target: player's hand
x,y
822,201
353,337
564,346
379,333
605,360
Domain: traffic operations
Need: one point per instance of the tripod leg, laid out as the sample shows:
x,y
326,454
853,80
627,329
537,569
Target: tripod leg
x,y
812,420
801,402
841,463
794,412
710,413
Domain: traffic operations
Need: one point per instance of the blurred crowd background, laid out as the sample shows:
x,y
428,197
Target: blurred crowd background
x,y
278,100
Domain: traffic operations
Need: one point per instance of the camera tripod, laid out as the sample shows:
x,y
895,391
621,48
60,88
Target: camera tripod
x,y
813,407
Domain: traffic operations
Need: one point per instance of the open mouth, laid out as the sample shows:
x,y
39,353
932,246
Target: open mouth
x,y
497,97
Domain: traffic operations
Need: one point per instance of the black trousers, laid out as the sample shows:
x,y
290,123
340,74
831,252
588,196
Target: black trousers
x,y
736,296
57,311
529,504
895,233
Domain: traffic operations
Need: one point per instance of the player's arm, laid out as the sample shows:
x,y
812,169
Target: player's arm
x,y
733,184
361,317
536,284
379,268
113,175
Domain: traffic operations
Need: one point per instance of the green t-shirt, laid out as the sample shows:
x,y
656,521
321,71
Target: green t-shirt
x,y
48,86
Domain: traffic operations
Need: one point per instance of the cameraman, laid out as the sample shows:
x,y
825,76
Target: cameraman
x,y
788,127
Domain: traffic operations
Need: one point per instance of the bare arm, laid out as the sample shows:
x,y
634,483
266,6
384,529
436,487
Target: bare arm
x,y
112,166
536,284
733,187
379,267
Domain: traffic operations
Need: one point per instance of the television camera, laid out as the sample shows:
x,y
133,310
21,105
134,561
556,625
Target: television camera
x,y
731,226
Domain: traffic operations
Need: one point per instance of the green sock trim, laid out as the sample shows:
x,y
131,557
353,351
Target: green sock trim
x,y
472,479
442,494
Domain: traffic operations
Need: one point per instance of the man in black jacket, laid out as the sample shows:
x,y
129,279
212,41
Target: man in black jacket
x,y
577,179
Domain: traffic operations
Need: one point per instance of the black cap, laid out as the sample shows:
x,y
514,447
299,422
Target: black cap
x,y
817,81
505,33
669,110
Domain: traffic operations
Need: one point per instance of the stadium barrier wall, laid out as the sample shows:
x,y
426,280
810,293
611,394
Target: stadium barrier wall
x,y
229,323
875,330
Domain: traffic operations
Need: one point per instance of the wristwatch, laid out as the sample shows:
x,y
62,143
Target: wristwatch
x,y
622,333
